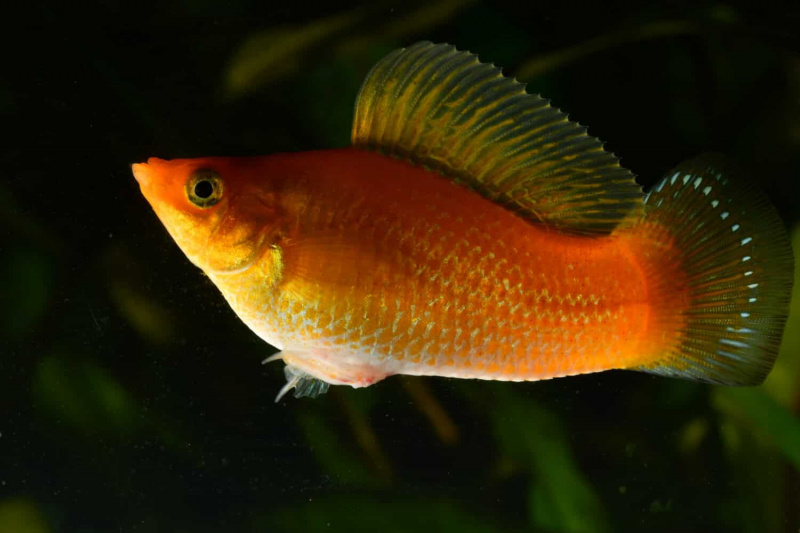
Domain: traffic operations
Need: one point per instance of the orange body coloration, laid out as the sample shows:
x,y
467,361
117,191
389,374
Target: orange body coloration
x,y
473,231
371,266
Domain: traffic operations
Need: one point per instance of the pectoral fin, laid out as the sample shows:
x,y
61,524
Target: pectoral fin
x,y
333,262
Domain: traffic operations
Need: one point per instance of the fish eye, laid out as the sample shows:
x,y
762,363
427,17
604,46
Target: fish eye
x,y
204,187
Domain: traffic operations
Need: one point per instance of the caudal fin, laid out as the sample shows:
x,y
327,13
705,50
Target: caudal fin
x,y
729,264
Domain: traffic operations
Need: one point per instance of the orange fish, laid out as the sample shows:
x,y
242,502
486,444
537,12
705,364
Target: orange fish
x,y
472,231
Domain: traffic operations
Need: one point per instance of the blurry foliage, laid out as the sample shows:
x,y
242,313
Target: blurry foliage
x,y
278,52
275,53
354,456
335,458
425,401
83,395
146,315
368,514
28,282
560,498
132,398
543,63
755,410
21,516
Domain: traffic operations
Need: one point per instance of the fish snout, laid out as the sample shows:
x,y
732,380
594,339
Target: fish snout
x,y
142,172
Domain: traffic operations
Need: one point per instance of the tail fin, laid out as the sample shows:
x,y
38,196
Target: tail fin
x,y
734,269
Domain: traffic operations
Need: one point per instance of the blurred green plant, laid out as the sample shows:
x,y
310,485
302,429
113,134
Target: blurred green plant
x,y
424,400
27,283
337,458
279,52
720,16
138,306
544,63
560,498
367,514
755,411
84,395
19,515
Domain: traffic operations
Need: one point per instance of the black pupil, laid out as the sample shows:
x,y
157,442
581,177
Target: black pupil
x,y
203,189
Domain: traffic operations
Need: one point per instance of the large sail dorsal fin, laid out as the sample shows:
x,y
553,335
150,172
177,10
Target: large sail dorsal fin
x,y
441,108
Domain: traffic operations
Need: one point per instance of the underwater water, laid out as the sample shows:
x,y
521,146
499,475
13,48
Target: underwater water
x,y
132,399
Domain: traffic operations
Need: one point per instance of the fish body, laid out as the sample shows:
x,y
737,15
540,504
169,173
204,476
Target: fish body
x,y
411,273
410,254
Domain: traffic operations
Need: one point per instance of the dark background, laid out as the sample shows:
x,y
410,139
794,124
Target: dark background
x,y
133,399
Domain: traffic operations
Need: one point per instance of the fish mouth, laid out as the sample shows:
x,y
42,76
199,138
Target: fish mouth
x,y
146,173
142,173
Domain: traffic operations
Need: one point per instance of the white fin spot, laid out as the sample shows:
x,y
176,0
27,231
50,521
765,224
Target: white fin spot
x,y
739,330
752,286
730,355
735,227
753,300
745,315
724,215
673,178
707,190
746,240
748,273
697,182
686,178
730,342
714,203
746,258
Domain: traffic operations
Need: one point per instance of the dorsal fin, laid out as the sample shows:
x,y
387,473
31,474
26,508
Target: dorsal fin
x,y
443,109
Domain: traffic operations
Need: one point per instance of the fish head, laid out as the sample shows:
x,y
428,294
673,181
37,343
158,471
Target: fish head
x,y
215,211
